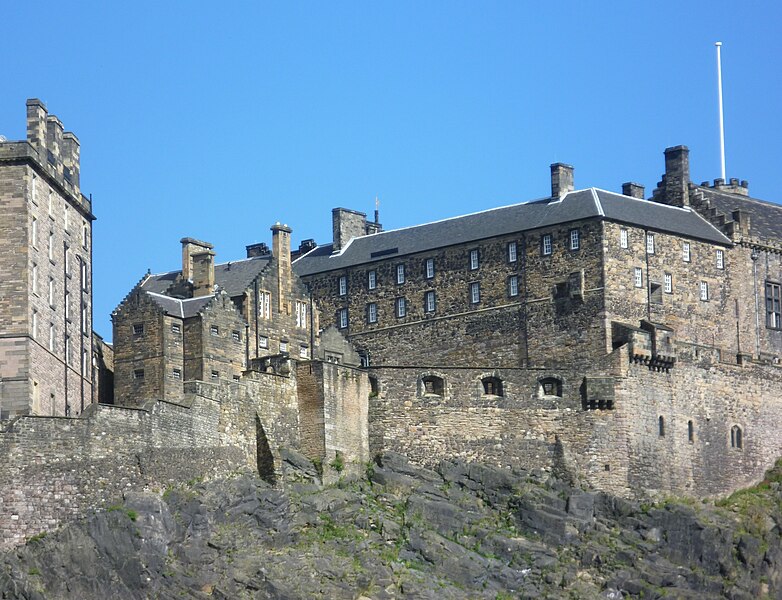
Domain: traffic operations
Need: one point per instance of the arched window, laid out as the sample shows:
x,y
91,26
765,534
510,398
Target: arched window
x,y
690,432
661,426
492,386
736,437
550,386
431,385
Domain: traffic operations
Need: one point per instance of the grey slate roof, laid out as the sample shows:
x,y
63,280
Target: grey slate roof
x,y
574,206
765,220
188,307
234,277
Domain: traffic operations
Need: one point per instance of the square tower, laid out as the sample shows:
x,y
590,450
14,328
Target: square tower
x,y
46,287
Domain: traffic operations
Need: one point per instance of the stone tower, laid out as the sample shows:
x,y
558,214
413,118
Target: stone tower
x,y
46,287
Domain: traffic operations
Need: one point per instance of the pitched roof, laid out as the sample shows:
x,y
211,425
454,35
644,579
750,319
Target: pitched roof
x,y
234,277
183,308
574,206
765,218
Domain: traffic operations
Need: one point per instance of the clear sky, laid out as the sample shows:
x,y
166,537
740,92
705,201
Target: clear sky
x,y
216,119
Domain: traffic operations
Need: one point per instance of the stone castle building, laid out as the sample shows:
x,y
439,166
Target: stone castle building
x,y
46,344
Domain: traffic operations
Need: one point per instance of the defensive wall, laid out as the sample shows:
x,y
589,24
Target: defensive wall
x,y
57,468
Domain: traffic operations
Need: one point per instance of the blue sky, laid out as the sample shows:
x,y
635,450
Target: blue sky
x,y
214,120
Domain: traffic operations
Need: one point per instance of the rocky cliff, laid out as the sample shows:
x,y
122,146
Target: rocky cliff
x,y
460,531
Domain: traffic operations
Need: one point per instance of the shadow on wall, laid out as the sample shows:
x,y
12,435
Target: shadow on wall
x,y
264,457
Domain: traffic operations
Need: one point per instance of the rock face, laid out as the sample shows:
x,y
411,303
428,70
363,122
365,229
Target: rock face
x,y
460,531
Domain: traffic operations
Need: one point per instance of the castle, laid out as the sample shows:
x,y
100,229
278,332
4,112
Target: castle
x,y
626,343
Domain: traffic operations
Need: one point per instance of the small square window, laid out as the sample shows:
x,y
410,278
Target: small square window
x,y
513,286
512,252
400,274
371,312
720,259
215,375
214,330
639,277
138,373
283,345
303,351
545,244
650,243
343,285
237,377
575,239
623,238
668,283
474,259
138,329
176,328
686,251
429,268
401,307
475,292
372,280
705,291
263,341
236,336
176,373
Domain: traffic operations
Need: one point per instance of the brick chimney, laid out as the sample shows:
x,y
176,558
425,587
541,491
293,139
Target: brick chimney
x,y
281,249
561,179
190,247
203,273
634,190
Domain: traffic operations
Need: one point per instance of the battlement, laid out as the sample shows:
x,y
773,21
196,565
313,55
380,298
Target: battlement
x,y
733,186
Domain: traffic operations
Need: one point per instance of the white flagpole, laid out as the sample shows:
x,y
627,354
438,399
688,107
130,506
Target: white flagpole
x,y
722,123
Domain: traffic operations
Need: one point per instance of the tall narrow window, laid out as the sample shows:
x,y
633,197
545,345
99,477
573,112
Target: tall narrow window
x,y
661,426
400,274
623,238
67,304
513,286
475,292
686,251
720,259
301,314
343,285
67,217
429,301
51,292
372,312
545,244
34,233
51,245
773,310
474,259
575,239
34,277
401,307
429,268
68,261
84,324
342,318
84,232
35,324
51,337
650,243
264,305
639,277
668,283
690,432
83,268
51,200
372,279
736,437
705,291
512,252
33,189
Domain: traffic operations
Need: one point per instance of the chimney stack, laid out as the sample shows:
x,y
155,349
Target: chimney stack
x,y
191,247
70,158
634,190
281,249
677,176
203,273
347,224
259,249
561,179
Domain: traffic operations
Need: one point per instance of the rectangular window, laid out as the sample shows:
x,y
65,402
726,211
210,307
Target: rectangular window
x,y
400,274
35,324
51,194
575,239
67,304
686,251
429,302
650,243
512,252
35,279
513,286
236,336
138,329
545,244
67,217
138,373
51,337
264,305
176,373
474,260
773,310
303,351
33,189
176,328
668,283
84,324
623,238
372,280
84,233
51,292
34,233
301,314
342,284
68,261
237,377
283,346
68,349
263,341
83,267
720,259
639,277
215,375
51,245
84,363
214,330
705,291
429,268
371,312
401,307
475,292
342,318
